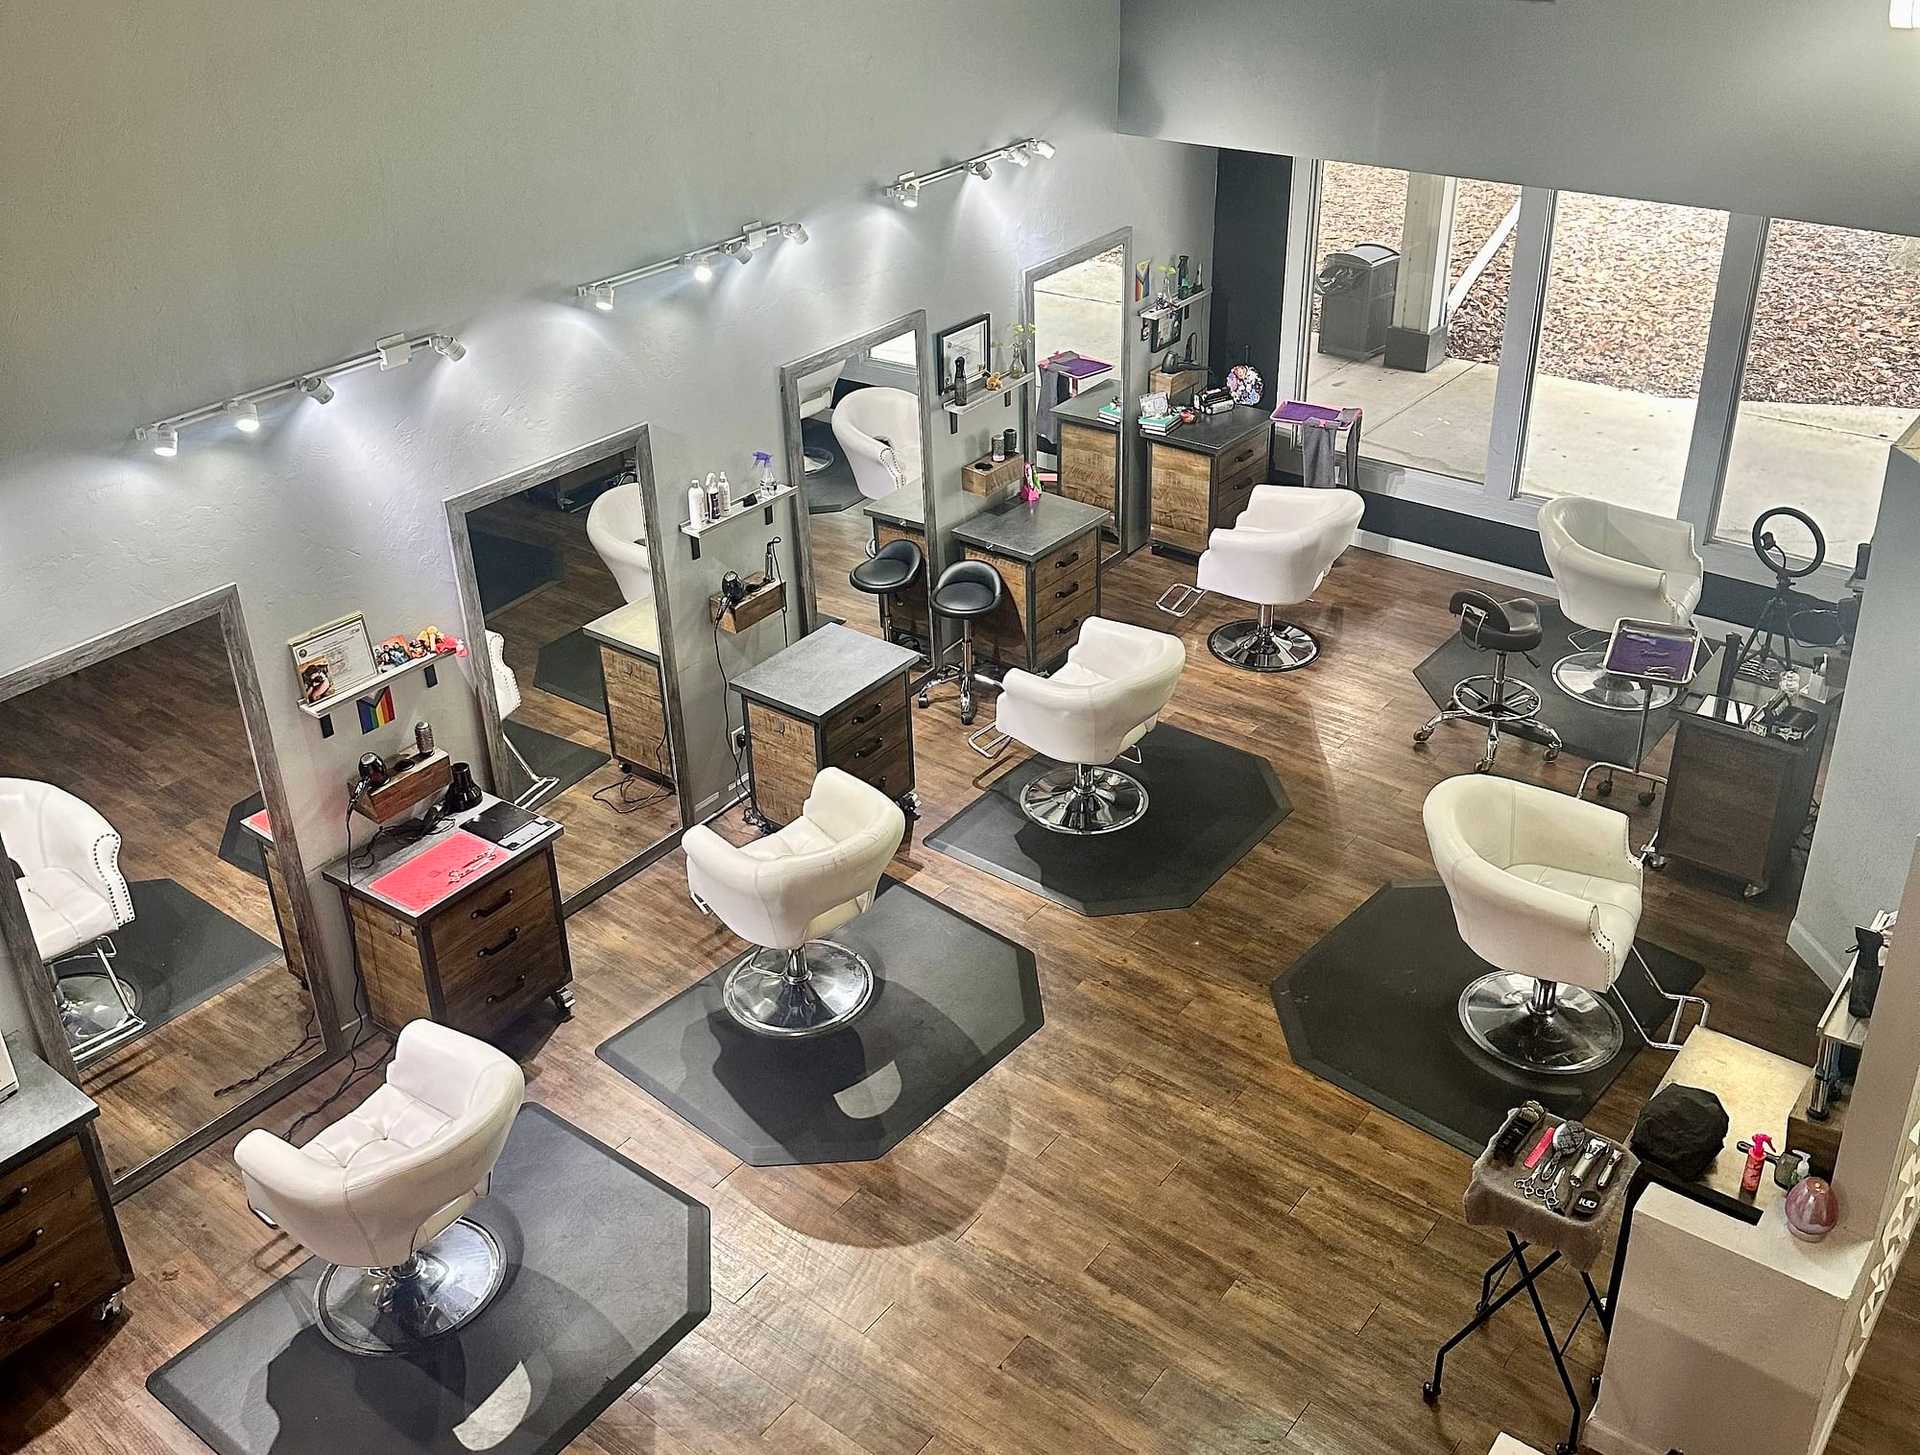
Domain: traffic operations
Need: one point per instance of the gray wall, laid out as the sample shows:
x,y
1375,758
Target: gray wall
x,y
201,199
1870,805
1780,107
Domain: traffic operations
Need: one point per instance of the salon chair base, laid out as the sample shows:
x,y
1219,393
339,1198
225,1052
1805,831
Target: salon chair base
x,y
1581,678
394,1310
1263,645
1084,800
1539,1026
98,1010
816,459
805,992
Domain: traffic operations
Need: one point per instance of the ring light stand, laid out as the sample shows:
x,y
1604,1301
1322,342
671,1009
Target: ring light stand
x,y
1776,617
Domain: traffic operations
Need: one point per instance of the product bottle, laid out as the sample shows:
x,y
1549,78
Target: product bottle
x,y
960,381
763,473
713,496
1756,1163
726,494
696,504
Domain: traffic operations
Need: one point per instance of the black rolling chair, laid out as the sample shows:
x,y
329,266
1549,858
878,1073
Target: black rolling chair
x,y
966,590
890,570
1500,627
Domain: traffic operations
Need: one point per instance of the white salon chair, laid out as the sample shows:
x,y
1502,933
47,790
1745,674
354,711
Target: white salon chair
x,y
1545,889
75,897
1102,700
879,428
1610,562
506,698
617,530
380,1193
785,892
816,401
1276,554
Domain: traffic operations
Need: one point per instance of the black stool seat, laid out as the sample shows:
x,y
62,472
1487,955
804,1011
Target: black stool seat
x,y
892,566
967,589
1497,626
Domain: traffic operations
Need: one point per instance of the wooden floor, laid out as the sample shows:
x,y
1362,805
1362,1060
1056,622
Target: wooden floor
x,y
153,739
839,542
1145,1230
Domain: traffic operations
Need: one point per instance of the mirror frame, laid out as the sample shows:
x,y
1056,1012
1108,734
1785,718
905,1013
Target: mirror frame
x,y
31,974
790,377
634,442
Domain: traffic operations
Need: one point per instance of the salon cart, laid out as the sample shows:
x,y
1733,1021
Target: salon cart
x,y
1202,475
60,1246
1048,558
483,952
629,641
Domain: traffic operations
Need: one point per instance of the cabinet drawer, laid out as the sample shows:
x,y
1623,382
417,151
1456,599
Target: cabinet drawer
x,y
872,742
54,1280
1077,557
1249,454
1058,632
1231,503
535,966
1010,616
53,1191
520,897
856,720
1070,587
889,769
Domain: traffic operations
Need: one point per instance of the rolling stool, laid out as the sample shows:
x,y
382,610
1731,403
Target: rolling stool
x,y
1500,627
966,589
892,568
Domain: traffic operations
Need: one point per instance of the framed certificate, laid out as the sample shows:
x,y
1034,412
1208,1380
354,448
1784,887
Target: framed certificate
x,y
334,658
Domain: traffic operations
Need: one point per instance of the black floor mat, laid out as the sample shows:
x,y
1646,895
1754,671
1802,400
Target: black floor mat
x,y
1207,806
951,1000
1587,732
553,757
1374,1008
570,668
238,847
509,570
178,951
608,1270
833,488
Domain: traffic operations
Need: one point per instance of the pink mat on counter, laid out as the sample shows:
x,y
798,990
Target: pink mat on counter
x,y
429,877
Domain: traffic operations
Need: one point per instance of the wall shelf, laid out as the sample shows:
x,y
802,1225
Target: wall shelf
x,y
1148,312
764,503
322,711
1005,393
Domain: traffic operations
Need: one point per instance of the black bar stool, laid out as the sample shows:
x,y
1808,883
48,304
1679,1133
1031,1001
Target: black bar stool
x,y
966,589
1493,699
890,570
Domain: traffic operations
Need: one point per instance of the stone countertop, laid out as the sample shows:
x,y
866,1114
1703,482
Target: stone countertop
x,y
45,1109
1010,530
1215,434
823,671
353,874
906,507
1085,408
633,628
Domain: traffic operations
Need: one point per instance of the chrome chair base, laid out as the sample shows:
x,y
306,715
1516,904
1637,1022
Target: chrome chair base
x,y
442,1287
98,1010
1083,800
1579,676
815,459
1263,646
1540,1026
805,992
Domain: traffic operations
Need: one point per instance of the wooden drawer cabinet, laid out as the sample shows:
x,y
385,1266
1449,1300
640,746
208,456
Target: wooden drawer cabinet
x,y
1196,491
1089,466
637,714
1045,601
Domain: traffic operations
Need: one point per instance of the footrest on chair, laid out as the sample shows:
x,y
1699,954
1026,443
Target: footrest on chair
x,y
978,740
1180,599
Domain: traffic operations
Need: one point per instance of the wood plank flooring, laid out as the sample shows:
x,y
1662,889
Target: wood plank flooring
x,y
1145,1230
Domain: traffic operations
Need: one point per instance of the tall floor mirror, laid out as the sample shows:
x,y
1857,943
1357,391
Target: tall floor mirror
x,y
856,421
156,925
573,655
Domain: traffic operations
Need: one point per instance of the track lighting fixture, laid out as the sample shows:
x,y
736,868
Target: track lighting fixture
x,y
703,267
905,189
600,295
740,247
793,232
242,410
741,253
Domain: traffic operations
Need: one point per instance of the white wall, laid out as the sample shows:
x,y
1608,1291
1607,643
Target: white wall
x,y
200,199
1795,108
1870,804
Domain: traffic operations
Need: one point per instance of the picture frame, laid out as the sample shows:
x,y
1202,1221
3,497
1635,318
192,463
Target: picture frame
x,y
972,340
333,658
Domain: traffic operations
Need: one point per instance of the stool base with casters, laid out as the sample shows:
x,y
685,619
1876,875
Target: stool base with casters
x,y
1500,627
443,1286
814,989
1539,1025
1262,644
1080,799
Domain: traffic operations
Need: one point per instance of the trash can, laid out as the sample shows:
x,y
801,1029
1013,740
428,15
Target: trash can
x,y
1356,300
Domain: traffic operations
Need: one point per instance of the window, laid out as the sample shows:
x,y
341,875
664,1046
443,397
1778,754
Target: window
x,y
1623,343
896,350
1429,407
1832,378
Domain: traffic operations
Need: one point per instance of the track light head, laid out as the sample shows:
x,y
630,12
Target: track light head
x,y
1042,149
703,267
448,347
245,417
600,295
162,439
317,389
793,232
741,253
1019,156
905,190
981,170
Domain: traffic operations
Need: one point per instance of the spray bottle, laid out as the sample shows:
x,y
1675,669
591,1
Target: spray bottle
x,y
1756,1163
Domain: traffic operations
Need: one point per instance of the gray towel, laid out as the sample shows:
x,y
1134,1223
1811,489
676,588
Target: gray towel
x,y
1053,388
1316,457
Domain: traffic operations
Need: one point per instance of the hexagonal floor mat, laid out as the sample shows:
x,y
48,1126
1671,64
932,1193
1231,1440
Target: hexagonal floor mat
x,y
607,1271
1207,806
951,999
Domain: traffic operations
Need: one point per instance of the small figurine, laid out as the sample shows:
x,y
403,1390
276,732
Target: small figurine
x,y
994,380
430,641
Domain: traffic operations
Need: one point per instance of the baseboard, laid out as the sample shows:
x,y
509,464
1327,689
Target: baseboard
x,y
1819,959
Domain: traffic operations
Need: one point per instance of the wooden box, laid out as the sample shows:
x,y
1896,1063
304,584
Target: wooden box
x,y
408,789
985,477
763,598
1179,386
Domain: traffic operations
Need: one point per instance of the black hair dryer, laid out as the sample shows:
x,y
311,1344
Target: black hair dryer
x,y
462,792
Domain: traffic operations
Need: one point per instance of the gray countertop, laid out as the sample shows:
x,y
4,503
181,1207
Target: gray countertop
x,y
633,628
905,507
353,875
1010,530
823,671
1214,434
45,1109
1085,408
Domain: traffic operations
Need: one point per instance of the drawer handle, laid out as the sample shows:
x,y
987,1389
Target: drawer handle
x,y
512,935
1063,595
1072,626
30,1309
489,911
24,1247
868,716
511,991
869,749
13,1199
1066,561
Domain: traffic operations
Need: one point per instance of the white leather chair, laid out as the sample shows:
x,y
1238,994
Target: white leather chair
x,y
1103,699
816,400
617,530
879,428
506,697
1276,554
75,897
1610,562
1546,889
786,892
381,1193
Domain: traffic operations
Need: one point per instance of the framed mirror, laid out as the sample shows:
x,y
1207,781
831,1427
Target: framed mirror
x,y
156,922
857,422
972,341
573,656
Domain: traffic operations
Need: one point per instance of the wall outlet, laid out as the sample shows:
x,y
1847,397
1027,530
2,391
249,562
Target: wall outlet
x,y
738,737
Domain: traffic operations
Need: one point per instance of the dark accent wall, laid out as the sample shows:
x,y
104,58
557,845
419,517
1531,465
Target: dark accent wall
x,y
1251,197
